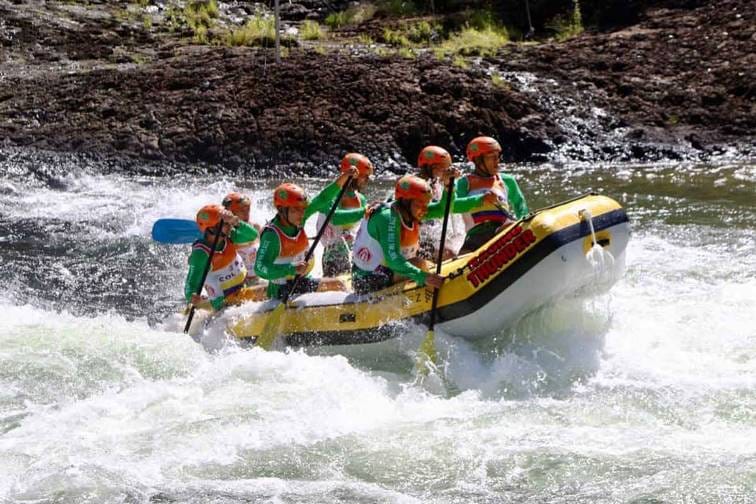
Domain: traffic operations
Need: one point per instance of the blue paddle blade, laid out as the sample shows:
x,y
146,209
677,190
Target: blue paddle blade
x,y
175,231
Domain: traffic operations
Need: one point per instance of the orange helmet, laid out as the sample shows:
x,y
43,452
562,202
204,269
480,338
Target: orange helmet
x,y
412,187
234,201
363,164
209,216
480,146
432,155
289,195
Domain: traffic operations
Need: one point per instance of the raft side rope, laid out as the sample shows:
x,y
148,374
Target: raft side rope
x,y
600,259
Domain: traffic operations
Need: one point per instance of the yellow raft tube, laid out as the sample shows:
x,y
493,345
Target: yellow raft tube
x,y
531,261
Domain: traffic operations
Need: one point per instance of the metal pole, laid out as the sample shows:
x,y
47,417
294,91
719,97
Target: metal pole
x,y
278,32
531,30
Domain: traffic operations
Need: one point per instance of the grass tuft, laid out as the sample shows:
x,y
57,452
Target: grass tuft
x,y
474,42
498,81
311,30
258,31
395,38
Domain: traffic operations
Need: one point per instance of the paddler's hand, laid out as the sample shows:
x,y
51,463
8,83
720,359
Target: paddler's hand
x,y
197,300
452,171
372,207
492,198
229,218
434,281
352,172
301,268
505,225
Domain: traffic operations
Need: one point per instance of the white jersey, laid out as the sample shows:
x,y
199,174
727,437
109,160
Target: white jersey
x,y
248,253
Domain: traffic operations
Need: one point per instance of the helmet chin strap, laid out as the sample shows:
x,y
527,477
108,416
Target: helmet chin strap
x,y
405,210
482,170
285,214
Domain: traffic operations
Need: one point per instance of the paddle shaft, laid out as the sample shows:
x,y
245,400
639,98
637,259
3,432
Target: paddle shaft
x,y
318,236
206,272
444,226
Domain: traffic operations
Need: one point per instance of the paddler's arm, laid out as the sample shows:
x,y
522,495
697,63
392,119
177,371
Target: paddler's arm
x,y
436,209
197,262
244,233
324,200
390,228
516,198
265,265
346,216
463,201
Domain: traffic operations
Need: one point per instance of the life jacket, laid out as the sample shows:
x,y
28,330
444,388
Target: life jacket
x,y
437,188
227,272
487,212
333,232
368,253
248,252
293,250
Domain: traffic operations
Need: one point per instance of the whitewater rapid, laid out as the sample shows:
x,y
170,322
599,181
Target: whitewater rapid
x,y
645,393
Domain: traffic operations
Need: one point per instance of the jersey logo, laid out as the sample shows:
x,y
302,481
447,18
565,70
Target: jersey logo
x,y
364,254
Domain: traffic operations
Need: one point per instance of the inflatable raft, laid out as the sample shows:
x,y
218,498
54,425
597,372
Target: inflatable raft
x,y
531,261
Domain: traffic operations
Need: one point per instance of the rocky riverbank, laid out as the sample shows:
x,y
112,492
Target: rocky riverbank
x,y
677,84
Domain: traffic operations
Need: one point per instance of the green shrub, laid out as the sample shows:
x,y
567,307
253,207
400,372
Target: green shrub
x,y
480,19
398,8
174,18
311,30
460,62
422,32
567,26
336,20
354,15
200,16
200,35
406,35
365,39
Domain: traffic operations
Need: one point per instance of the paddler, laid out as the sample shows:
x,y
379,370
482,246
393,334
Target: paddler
x,y
227,274
284,243
483,222
339,235
388,239
435,165
239,204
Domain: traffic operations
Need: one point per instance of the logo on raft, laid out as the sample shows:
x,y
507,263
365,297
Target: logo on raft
x,y
498,254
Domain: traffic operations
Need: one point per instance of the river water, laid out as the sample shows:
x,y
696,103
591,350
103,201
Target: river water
x,y
645,393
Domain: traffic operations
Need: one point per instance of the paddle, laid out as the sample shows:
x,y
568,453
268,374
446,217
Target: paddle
x,y
270,331
427,354
175,231
218,230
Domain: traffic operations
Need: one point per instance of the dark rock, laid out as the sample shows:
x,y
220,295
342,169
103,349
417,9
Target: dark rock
x,y
233,106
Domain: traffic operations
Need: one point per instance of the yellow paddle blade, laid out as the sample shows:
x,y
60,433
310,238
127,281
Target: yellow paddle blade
x,y
427,356
272,325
